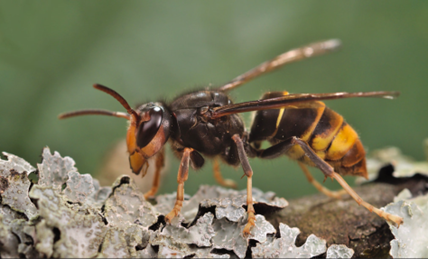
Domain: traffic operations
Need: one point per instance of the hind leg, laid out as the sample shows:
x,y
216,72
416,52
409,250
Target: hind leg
x,y
283,147
318,186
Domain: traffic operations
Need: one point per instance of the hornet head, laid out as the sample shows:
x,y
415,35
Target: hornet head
x,y
148,130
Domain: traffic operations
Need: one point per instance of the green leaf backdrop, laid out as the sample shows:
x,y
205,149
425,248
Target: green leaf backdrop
x,y
51,52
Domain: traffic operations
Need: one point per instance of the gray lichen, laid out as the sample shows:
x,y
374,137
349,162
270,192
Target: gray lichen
x,y
199,234
53,171
126,205
229,234
414,211
14,185
66,214
17,163
114,244
284,247
339,251
405,245
79,187
404,166
81,231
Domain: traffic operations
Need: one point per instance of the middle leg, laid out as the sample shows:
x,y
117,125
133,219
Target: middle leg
x,y
281,149
219,178
249,173
318,186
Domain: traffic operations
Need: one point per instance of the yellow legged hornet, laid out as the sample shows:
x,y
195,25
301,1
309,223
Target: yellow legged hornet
x,y
206,123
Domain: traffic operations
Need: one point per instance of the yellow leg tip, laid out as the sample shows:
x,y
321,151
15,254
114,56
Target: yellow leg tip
x,y
149,195
170,216
230,184
248,227
395,219
250,224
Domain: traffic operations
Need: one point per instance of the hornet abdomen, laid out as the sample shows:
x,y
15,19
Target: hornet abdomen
x,y
323,129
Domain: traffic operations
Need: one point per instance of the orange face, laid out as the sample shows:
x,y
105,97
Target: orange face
x,y
149,128
146,136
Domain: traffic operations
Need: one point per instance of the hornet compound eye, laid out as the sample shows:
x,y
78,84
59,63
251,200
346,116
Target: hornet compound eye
x,y
148,129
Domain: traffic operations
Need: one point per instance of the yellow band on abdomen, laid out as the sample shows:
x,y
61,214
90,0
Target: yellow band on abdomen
x,y
342,143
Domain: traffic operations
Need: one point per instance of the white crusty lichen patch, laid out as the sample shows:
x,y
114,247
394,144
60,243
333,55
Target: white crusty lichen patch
x,y
127,205
14,185
67,214
404,166
411,239
284,247
54,169
81,232
339,251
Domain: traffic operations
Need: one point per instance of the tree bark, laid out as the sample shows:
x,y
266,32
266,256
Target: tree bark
x,y
344,222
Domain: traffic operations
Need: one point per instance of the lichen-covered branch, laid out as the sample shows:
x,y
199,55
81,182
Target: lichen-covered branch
x,y
65,214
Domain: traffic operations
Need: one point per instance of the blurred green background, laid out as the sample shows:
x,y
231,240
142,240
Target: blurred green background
x,y
51,52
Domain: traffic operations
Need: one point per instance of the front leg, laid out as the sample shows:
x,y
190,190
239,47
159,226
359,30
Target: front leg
x,y
249,173
160,163
183,173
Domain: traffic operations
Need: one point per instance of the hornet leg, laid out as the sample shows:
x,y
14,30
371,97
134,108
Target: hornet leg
x,y
183,173
249,173
282,148
318,186
328,171
160,163
219,178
